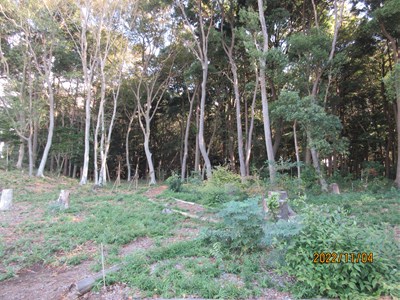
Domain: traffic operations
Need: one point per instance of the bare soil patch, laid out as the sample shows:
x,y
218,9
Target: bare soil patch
x,y
154,192
141,243
42,282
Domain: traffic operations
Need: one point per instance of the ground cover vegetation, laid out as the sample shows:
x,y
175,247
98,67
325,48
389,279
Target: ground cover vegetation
x,y
242,255
223,101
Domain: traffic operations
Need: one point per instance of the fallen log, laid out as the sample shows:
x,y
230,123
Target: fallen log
x,y
189,215
85,285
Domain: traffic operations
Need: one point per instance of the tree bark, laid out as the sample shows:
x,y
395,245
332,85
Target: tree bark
x,y
21,154
316,164
50,94
187,131
263,86
251,127
128,163
149,158
197,149
201,52
296,147
396,74
202,145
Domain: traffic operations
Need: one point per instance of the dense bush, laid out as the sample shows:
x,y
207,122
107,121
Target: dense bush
x,y
241,228
221,176
331,231
224,186
174,182
314,230
215,196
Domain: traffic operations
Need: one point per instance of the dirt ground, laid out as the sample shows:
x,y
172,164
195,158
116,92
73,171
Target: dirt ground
x,y
43,282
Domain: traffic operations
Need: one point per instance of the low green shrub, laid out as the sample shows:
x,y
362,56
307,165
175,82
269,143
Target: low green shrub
x,y
213,195
330,231
174,182
221,176
241,228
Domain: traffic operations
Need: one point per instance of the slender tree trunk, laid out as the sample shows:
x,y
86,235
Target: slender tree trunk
x,y
238,121
21,154
316,164
30,154
202,145
396,74
35,139
128,162
296,147
50,92
278,136
264,98
74,171
87,76
197,149
251,127
102,179
149,157
397,88
186,138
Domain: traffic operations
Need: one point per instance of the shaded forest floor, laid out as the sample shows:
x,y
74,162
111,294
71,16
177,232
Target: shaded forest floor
x,y
44,250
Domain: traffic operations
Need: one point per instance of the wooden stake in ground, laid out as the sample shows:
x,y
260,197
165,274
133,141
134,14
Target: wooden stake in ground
x,y
63,199
6,199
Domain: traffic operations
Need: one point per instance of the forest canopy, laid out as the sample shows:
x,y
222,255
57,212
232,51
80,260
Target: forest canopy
x,y
103,89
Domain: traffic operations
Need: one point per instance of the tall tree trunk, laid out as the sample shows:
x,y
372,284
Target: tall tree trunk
x,y
128,162
278,136
296,147
50,93
201,52
396,74
30,154
316,164
35,139
21,154
251,127
264,98
149,158
102,178
187,131
238,121
197,149
202,145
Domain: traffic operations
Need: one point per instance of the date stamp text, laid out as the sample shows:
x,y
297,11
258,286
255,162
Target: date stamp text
x,y
337,258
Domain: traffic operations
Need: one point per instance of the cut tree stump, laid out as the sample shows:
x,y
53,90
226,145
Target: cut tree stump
x,y
6,199
285,211
334,188
63,199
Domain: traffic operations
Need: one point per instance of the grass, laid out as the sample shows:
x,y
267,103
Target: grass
x,y
185,268
368,208
44,234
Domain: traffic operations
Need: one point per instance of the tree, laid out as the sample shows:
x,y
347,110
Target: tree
x,y
229,50
153,72
204,15
386,16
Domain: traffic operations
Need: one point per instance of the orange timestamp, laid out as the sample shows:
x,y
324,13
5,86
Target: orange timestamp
x,y
336,258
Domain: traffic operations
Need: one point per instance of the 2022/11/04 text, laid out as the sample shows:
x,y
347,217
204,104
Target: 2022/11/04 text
x,y
333,257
